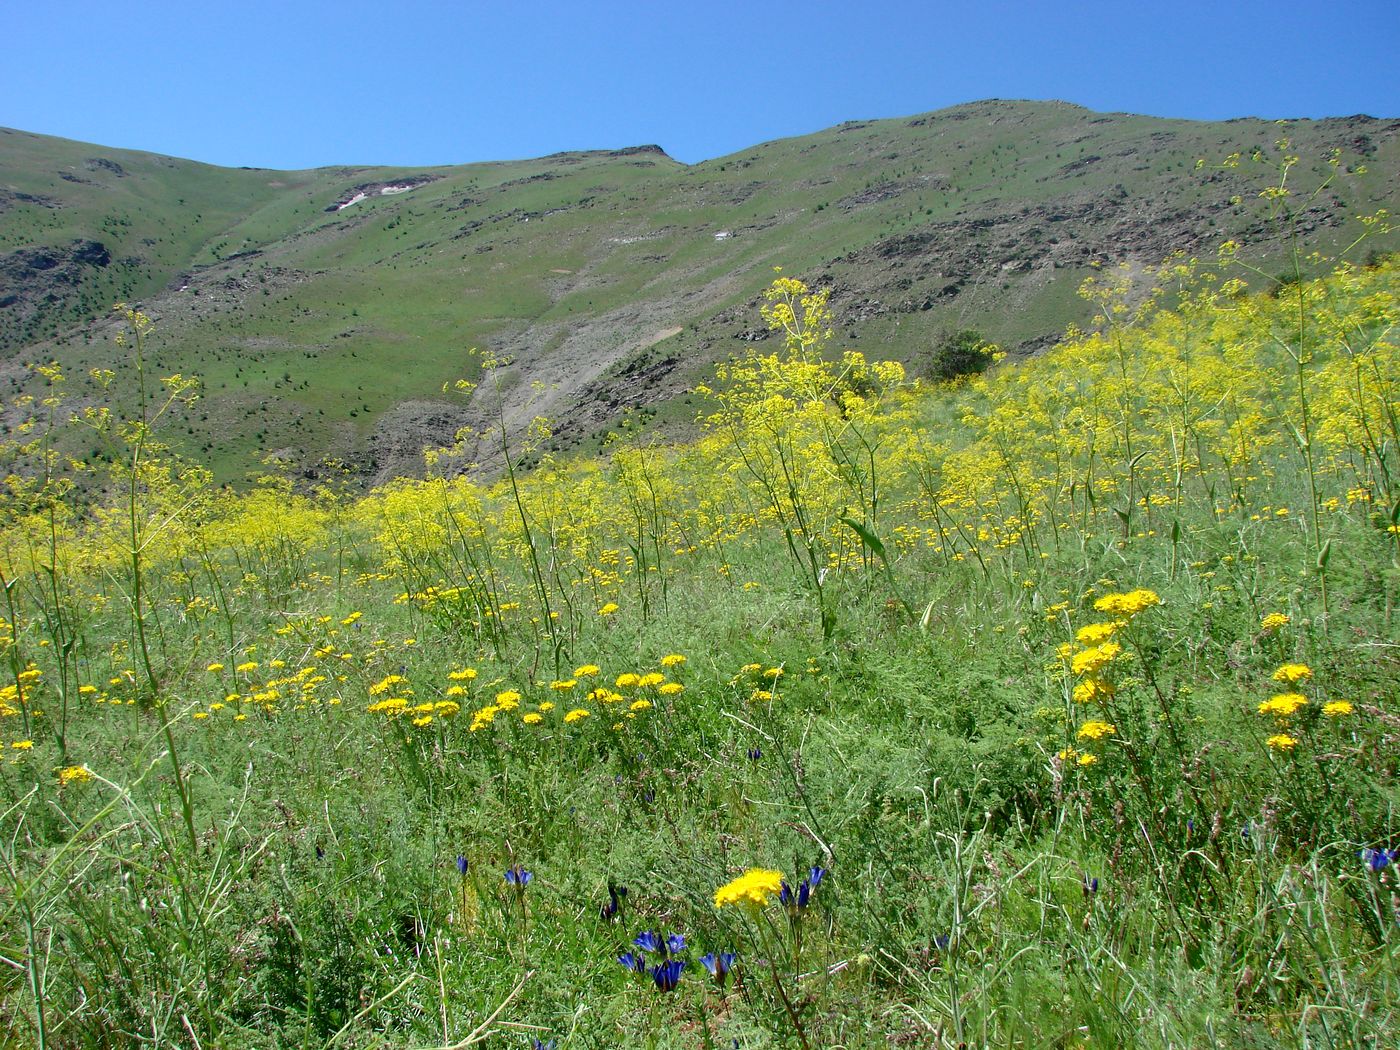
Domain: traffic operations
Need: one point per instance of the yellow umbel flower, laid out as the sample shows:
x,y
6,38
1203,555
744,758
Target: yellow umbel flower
x,y
1281,742
1337,708
1095,659
1097,633
1284,705
1128,604
1096,730
1293,673
752,890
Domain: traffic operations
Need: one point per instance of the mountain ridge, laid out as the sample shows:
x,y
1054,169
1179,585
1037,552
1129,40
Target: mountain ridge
x,y
613,278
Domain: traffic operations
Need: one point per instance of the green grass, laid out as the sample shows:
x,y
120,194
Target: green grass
x,y
428,284
262,857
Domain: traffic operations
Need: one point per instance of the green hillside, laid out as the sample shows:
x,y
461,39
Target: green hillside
x,y
614,279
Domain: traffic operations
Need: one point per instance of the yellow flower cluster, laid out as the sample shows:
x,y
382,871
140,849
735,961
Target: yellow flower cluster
x,y
1096,730
1272,622
751,890
1284,705
1293,673
1128,604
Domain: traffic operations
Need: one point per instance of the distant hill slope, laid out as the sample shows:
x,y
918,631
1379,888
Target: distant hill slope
x,y
326,309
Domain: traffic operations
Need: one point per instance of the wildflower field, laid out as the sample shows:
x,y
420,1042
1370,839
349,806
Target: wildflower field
x,y
1054,707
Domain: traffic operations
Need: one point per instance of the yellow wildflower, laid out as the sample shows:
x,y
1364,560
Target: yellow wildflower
x,y
1096,730
751,890
1273,621
1281,742
1337,708
1128,604
74,775
1089,661
673,660
1097,633
1293,673
1284,705
578,714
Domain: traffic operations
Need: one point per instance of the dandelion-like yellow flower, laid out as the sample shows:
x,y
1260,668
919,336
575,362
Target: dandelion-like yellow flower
x,y
422,720
22,745
639,705
578,714
74,775
586,671
671,689
1337,708
1273,621
608,609
674,660
532,719
1293,673
1281,742
247,666
547,705
751,890
654,678
1096,730
627,680
564,685
1284,705
214,668
466,674
1088,760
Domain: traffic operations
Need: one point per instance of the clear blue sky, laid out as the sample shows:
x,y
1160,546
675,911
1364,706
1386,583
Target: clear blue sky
x,y
298,84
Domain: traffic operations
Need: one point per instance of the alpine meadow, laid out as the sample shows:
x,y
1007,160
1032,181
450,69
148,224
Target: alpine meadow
x,y
941,611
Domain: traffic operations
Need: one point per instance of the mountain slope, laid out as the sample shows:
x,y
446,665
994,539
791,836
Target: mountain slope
x,y
326,309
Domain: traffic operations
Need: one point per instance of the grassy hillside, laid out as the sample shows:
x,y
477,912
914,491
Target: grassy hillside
x,y
1055,707
604,276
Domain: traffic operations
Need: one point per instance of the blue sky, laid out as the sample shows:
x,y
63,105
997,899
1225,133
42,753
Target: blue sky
x,y
414,82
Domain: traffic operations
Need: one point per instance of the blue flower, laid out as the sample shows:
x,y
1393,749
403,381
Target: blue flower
x,y
718,965
1377,859
755,753
647,942
675,943
668,974
942,940
635,963
535,1044
1091,885
461,864
803,895
518,876
613,908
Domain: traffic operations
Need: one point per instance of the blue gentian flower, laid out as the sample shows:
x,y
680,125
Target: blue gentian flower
x,y
461,864
803,895
755,753
675,943
518,876
1377,859
1091,885
942,940
718,965
613,908
647,942
668,974
635,963
535,1044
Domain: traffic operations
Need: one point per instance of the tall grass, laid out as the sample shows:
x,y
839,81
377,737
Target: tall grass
x,y
1038,669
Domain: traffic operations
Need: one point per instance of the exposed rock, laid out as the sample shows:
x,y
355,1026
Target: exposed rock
x,y
103,164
